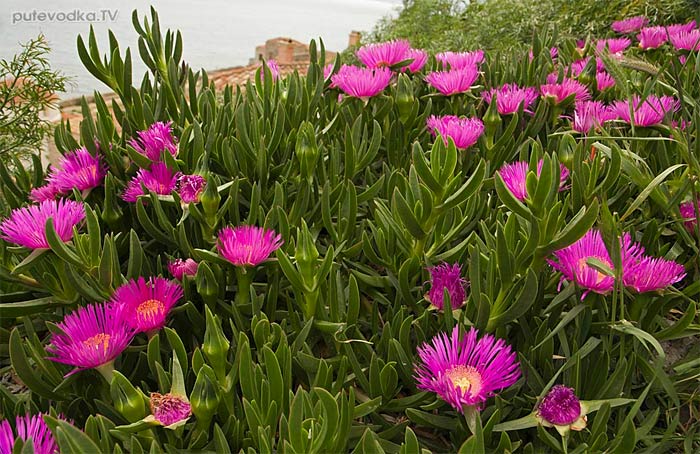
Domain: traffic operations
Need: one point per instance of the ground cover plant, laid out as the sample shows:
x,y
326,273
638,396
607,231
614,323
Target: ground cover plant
x,y
463,251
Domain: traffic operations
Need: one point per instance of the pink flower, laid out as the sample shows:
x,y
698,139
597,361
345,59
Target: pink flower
x,y
561,407
155,140
509,97
649,112
382,55
419,56
274,69
362,83
180,268
190,187
514,176
568,87
463,131
454,81
681,28
460,60
446,276
464,370
604,80
247,245
650,274
629,25
652,37
688,213
686,40
613,45
31,428
27,226
160,179
46,192
145,305
169,409
77,169
590,115
92,337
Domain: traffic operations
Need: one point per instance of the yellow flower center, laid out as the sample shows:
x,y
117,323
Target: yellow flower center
x,y
97,340
583,265
466,378
150,308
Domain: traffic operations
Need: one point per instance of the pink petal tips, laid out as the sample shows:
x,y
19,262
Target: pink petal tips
x,y
180,268
78,169
454,81
155,140
465,132
28,427
159,179
514,176
362,83
27,226
446,276
145,304
560,407
169,408
247,245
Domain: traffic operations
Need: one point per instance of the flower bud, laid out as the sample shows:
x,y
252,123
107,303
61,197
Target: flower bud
x,y
205,396
404,98
216,345
210,199
306,150
306,254
492,120
207,284
128,400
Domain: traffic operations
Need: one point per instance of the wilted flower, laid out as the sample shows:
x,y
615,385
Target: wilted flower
x,y
464,370
419,56
190,187
649,274
247,245
77,169
27,226
613,45
28,427
562,409
686,40
362,83
568,87
463,131
590,115
649,112
652,37
454,81
446,276
159,179
180,268
629,25
168,409
92,337
145,304
509,97
460,60
604,80
155,140
514,176
46,192
386,54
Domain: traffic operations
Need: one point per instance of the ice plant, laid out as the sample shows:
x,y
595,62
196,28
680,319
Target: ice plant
x,y
454,81
688,214
629,25
446,277
514,176
274,69
28,427
650,274
510,97
190,187
649,112
613,45
561,409
419,57
361,83
155,140
41,193
180,268
247,245
145,304
463,131
77,169
27,226
159,179
589,115
603,80
92,337
652,37
558,92
465,370
683,40
681,28
169,409
460,60
385,54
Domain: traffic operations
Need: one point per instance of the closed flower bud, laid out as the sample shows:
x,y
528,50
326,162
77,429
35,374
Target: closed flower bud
x,y
210,198
205,396
128,400
216,345
306,254
306,150
404,98
207,284
492,120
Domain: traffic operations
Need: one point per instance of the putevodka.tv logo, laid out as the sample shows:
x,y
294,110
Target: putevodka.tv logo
x,y
76,15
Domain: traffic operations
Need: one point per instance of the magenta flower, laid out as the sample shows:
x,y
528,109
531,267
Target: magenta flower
x,y
454,81
446,276
168,409
629,25
159,179
155,140
180,268
77,169
419,56
463,131
46,192
572,263
650,274
464,370
560,407
190,187
686,40
567,88
681,28
514,176
92,337
614,45
362,83
247,245
603,80
652,37
460,60
28,427
509,97
553,53
589,115
649,112
274,69
688,214
27,226
145,305
381,55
